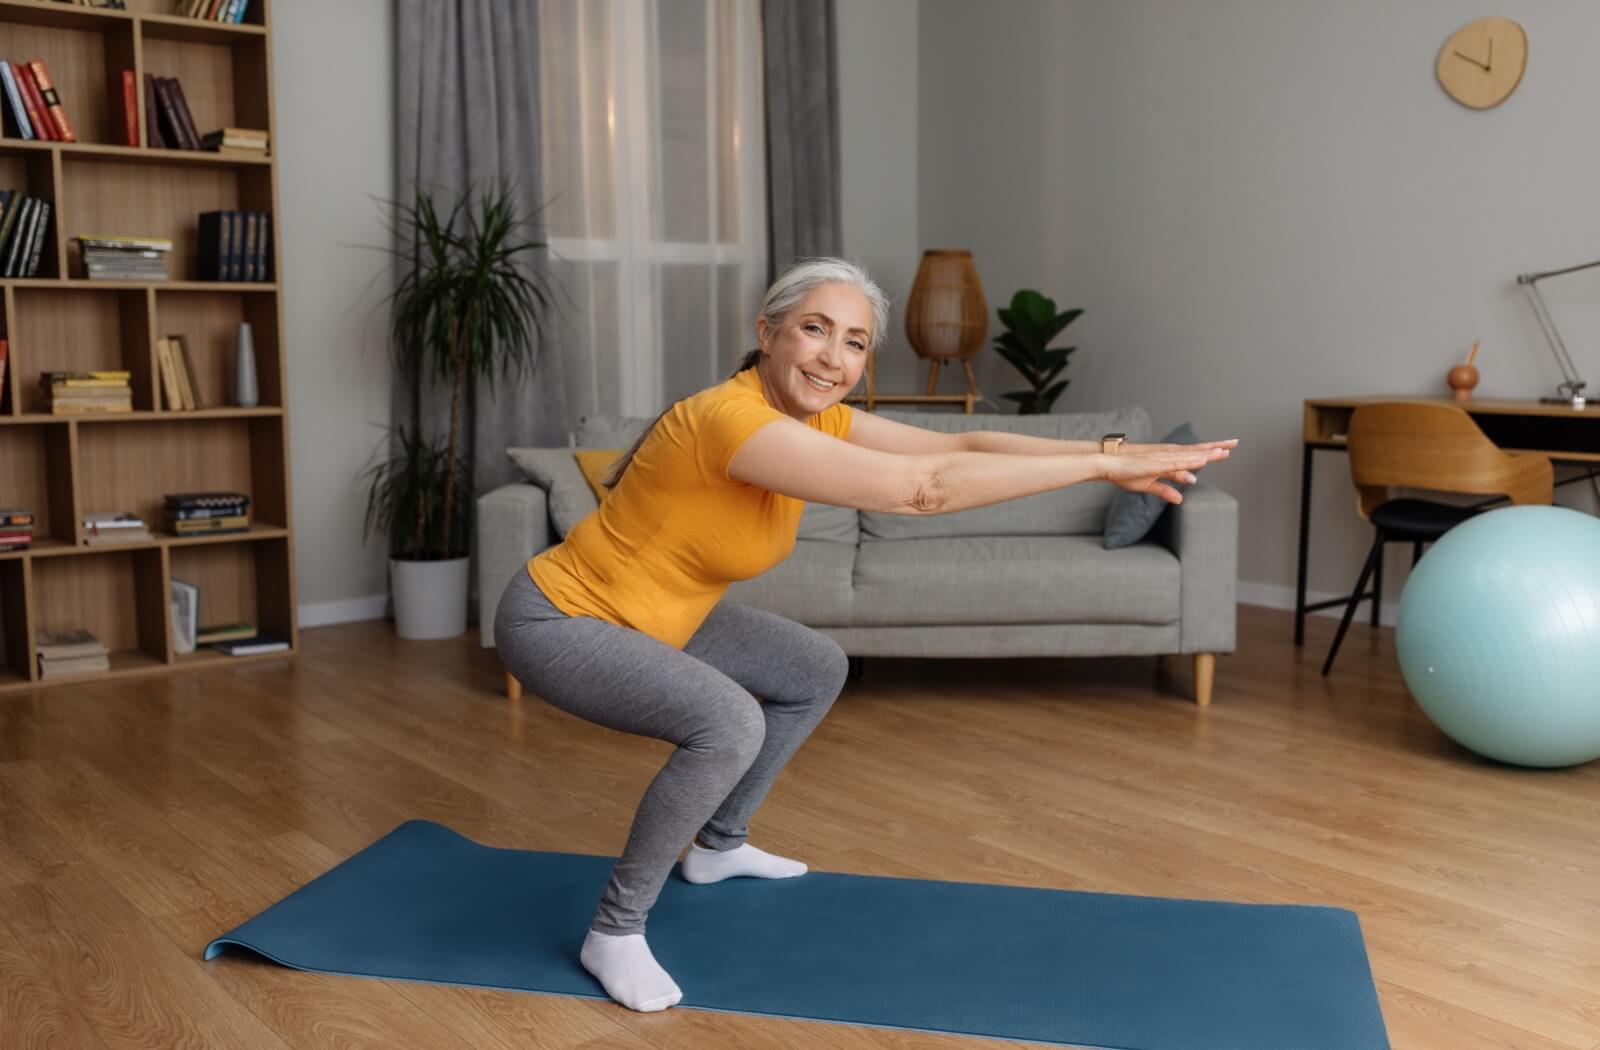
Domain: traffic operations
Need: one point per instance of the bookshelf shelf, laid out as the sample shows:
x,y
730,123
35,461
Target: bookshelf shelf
x,y
63,467
128,153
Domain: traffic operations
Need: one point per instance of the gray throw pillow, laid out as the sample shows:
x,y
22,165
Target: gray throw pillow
x,y
556,471
1134,514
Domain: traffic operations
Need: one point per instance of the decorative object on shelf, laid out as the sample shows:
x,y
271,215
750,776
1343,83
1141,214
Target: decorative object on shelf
x,y
1031,323
1463,378
1481,64
1571,389
947,317
245,394
471,305
118,258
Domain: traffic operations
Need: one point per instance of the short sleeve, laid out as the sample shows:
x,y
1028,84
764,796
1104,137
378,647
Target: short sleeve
x,y
723,427
835,421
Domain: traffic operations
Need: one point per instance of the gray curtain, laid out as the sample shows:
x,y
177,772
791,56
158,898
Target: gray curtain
x,y
467,111
801,59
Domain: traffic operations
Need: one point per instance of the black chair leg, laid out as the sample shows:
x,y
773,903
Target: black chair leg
x,y
1355,599
1416,553
1377,586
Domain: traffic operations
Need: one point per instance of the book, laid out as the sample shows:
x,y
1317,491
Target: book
x,y
228,523
80,665
38,116
52,100
172,392
152,120
36,248
172,127
261,643
117,519
119,537
5,351
192,382
62,644
185,598
17,109
206,499
226,632
191,136
130,108
16,518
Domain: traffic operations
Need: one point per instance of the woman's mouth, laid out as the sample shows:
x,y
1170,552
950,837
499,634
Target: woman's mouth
x,y
818,382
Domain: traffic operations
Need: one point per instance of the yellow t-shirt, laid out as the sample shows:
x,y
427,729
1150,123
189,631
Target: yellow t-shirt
x,y
666,542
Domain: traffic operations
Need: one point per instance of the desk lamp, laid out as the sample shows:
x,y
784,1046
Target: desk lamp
x,y
1571,391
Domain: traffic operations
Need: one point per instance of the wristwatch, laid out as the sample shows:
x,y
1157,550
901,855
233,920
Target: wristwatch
x,y
1111,444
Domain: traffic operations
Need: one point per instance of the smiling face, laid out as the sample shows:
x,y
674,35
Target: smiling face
x,y
817,353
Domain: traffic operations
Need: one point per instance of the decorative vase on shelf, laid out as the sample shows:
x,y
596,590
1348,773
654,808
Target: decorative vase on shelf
x,y
244,371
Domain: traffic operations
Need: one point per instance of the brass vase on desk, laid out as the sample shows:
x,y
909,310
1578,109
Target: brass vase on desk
x,y
947,317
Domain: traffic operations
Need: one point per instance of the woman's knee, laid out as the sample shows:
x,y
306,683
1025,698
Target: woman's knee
x,y
735,728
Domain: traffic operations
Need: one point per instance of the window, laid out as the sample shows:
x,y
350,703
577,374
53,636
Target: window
x,y
654,166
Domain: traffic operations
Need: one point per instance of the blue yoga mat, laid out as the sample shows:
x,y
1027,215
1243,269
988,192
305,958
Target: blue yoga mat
x,y
1010,962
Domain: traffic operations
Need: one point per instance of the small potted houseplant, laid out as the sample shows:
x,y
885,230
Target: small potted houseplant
x,y
1031,323
470,305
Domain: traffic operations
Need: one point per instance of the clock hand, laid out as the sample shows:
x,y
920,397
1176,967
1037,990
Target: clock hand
x,y
1491,55
1474,61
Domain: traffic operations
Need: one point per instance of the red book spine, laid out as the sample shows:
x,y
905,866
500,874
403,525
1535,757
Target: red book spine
x,y
38,115
52,100
130,107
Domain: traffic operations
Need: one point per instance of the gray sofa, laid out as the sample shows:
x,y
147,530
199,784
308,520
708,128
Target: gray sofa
x,y
1029,577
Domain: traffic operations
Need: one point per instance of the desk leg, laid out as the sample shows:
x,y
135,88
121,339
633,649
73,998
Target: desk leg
x,y
1305,539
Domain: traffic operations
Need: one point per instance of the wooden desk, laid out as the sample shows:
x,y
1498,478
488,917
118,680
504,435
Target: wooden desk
x,y
1557,431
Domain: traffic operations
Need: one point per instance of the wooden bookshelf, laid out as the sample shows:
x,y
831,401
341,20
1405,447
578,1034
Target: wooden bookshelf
x,y
64,467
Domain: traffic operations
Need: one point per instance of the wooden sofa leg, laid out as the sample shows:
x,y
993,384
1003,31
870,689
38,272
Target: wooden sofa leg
x,y
513,687
1205,670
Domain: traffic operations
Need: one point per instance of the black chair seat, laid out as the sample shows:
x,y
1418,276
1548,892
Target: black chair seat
x,y
1419,519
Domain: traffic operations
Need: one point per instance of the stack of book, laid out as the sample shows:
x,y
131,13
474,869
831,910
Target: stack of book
x,y
32,103
180,389
124,258
216,10
70,652
24,222
16,528
236,142
109,530
234,246
79,393
207,513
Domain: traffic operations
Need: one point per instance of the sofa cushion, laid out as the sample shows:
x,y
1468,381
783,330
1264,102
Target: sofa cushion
x,y
811,585
1133,514
1013,579
1075,510
556,471
819,521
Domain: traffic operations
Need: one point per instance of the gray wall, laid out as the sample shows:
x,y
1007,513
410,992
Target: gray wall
x,y
334,87
1256,202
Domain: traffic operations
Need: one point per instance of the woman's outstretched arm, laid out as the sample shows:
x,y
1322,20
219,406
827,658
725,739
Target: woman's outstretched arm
x,y
788,457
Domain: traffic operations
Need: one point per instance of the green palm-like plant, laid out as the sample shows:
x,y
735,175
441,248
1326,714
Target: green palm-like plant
x,y
471,304
407,491
1031,323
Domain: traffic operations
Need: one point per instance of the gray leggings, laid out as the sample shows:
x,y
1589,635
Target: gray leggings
x,y
729,747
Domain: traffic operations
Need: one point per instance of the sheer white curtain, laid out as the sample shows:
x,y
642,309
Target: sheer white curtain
x,y
654,163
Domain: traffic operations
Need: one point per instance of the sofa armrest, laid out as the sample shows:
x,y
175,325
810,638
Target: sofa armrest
x,y
513,526
1203,531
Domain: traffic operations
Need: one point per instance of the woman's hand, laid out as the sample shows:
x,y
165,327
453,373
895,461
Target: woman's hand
x,y
1138,470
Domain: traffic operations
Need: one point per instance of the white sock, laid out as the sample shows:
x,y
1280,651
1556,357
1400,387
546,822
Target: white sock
x,y
623,965
703,865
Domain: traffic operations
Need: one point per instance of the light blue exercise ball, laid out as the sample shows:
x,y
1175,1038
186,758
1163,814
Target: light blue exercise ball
x,y
1499,635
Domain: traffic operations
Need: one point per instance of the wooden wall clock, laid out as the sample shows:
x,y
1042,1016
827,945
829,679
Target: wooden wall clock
x,y
1482,62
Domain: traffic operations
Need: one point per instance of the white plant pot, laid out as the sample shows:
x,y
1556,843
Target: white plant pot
x,y
430,597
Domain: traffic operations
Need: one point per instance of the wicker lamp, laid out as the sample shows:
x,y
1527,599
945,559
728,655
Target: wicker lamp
x,y
947,317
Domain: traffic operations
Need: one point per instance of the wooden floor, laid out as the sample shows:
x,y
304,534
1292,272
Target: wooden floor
x,y
140,819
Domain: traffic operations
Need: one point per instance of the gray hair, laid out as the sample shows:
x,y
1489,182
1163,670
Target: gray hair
x,y
793,284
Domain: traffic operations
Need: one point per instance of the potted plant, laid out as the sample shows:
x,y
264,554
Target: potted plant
x,y
1031,323
469,306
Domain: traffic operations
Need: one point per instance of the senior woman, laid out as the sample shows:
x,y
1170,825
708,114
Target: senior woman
x,y
621,623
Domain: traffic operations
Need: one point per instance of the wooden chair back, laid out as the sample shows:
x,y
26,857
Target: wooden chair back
x,y
1428,445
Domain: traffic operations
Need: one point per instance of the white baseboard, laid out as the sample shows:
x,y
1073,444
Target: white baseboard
x,y
1275,597
350,610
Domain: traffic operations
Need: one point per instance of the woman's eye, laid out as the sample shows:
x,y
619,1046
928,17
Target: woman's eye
x,y
813,325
